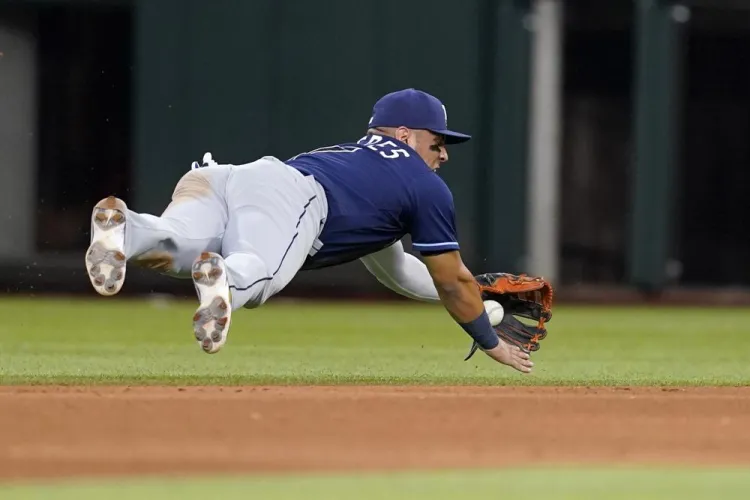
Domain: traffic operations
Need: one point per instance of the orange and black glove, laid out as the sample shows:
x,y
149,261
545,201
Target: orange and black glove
x,y
520,295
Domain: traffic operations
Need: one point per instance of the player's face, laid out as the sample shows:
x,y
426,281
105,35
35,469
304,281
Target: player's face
x,y
431,147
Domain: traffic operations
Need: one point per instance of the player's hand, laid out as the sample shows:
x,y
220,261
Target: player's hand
x,y
512,356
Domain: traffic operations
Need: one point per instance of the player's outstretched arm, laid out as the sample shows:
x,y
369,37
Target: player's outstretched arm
x,y
402,272
460,295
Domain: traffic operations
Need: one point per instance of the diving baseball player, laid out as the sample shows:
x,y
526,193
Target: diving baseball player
x,y
242,232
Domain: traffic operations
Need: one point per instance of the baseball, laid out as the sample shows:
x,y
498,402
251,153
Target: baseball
x,y
495,311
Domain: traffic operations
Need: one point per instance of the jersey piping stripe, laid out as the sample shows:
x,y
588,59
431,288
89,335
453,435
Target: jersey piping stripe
x,y
434,244
269,278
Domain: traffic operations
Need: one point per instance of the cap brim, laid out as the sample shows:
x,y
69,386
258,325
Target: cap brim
x,y
452,137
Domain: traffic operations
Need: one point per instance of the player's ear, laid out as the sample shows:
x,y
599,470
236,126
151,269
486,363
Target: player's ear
x,y
402,134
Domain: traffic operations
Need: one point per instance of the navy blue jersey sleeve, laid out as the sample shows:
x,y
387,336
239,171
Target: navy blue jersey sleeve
x,y
432,218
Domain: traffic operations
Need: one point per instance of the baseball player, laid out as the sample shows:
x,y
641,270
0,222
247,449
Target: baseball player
x,y
242,232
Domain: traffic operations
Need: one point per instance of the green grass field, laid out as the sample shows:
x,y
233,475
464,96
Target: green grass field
x,y
537,484
121,341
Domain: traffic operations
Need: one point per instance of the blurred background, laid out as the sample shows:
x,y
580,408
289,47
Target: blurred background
x,y
611,145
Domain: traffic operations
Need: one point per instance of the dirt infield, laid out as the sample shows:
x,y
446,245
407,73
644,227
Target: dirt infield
x,y
52,431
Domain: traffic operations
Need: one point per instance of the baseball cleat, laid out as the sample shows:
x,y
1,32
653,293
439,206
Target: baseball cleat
x,y
212,318
105,257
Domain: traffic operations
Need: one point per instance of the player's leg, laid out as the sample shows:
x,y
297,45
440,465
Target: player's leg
x,y
192,223
269,237
275,218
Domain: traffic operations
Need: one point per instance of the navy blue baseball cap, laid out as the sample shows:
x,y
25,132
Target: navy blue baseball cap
x,y
414,109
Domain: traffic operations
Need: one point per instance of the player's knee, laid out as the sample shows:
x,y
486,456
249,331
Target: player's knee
x,y
255,301
250,278
250,299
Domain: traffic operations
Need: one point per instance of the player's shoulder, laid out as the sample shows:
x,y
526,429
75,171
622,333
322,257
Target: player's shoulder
x,y
429,189
427,179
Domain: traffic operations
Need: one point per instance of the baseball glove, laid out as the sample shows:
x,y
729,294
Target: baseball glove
x,y
520,295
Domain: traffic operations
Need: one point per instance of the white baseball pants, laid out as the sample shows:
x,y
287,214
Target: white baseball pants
x,y
263,217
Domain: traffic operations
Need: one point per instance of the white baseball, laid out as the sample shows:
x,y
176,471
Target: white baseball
x,y
495,311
